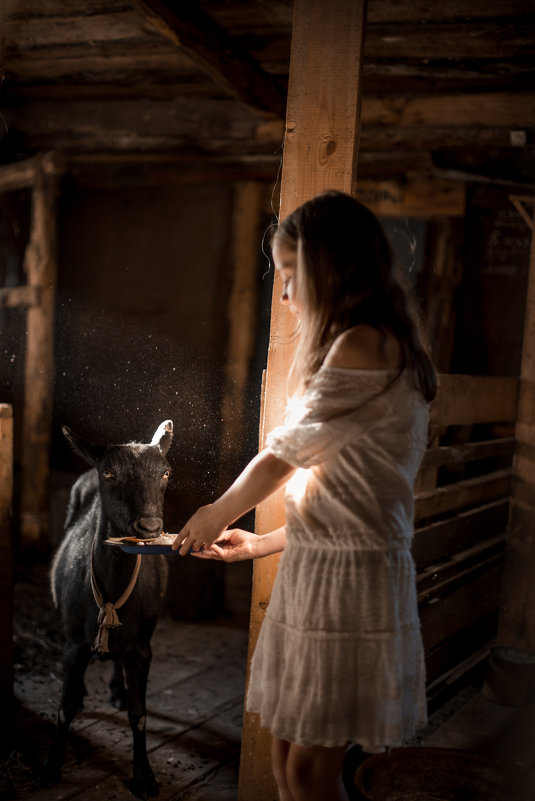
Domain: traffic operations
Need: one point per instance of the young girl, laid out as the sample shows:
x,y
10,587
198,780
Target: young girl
x,y
339,659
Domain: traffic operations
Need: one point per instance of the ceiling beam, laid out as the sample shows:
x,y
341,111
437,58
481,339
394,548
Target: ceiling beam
x,y
209,45
430,123
479,109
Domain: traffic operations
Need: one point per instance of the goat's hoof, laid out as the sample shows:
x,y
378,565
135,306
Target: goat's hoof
x,y
118,697
47,775
118,701
145,788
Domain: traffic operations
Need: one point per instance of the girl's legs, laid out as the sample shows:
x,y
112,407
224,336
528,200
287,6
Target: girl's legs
x,y
280,750
312,773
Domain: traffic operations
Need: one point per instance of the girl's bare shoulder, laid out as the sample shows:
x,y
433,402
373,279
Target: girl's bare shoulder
x,y
364,348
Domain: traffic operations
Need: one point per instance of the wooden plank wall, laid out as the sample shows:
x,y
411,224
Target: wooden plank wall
x,y
242,309
461,523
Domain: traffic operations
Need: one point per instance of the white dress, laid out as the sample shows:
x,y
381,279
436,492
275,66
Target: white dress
x,y
339,658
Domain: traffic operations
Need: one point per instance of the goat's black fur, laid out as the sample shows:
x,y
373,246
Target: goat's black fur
x,y
121,496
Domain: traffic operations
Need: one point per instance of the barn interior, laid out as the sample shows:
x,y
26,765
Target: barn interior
x,y
147,148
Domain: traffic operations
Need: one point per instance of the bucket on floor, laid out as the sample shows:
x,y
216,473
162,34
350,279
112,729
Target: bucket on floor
x,y
510,678
438,774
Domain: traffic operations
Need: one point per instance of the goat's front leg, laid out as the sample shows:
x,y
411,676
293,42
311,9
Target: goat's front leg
x,y
136,665
118,691
75,661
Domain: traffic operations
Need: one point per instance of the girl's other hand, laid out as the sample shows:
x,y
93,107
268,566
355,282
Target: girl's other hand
x,y
234,545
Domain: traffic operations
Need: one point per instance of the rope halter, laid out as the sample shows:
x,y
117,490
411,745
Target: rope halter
x,y
107,616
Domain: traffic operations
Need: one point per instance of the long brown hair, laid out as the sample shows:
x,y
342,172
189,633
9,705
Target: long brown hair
x,y
346,276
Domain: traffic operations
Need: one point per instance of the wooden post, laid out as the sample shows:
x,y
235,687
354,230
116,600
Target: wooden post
x,y
40,267
241,315
6,571
510,678
320,153
517,613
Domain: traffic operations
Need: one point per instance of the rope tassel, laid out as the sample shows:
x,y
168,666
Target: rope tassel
x,y
107,616
107,619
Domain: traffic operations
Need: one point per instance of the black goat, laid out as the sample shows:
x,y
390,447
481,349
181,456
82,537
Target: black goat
x,y
121,496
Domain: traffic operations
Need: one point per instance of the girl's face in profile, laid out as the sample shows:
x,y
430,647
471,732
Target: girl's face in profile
x,y
285,259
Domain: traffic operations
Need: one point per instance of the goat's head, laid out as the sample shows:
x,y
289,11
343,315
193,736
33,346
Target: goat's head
x,y
133,479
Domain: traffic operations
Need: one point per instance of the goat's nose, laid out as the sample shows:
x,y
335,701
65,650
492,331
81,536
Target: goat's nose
x,y
148,525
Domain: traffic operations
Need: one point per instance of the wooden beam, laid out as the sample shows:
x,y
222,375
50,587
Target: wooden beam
x,y
433,543
519,202
91,28
453,568
423,11
155,61
413,77
40,268
451,39
466,601
17,176
441,278
207,124
15,296
201,125
462,494
230,65
6,569
118,170
413,198
480,109
320,152
242,318
517,612
468,452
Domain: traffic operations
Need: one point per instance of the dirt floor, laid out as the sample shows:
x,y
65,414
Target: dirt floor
x,y
194,709
194,716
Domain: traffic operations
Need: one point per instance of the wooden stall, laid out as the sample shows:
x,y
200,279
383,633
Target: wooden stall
x,y
461,524
176,127
461,521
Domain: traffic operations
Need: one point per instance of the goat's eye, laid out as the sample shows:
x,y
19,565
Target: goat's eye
x,y
166,475
107,474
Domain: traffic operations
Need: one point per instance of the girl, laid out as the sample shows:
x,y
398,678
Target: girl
x,y
339,658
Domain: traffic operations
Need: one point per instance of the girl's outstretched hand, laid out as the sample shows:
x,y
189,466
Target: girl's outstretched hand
x,y
201,530
234,545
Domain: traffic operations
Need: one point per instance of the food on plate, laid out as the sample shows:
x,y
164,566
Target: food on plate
x,y
163,539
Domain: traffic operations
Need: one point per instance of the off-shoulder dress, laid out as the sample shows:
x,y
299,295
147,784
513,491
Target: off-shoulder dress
x,y
339,658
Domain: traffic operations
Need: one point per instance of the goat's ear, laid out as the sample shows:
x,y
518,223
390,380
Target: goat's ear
x,y
87,450
163,436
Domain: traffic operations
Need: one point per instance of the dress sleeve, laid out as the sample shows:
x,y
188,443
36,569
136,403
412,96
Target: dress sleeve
x,y
336,408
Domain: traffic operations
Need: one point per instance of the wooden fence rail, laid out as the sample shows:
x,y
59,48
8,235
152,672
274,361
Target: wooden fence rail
x,y
461,521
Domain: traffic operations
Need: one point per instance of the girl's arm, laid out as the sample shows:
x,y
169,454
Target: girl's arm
x,y
262,477
236,545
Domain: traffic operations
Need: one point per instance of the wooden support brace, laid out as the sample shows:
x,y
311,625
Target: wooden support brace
x,y
207,43
518,202
320,153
